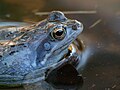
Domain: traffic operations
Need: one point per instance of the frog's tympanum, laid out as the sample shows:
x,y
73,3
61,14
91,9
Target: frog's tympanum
x,y
27,53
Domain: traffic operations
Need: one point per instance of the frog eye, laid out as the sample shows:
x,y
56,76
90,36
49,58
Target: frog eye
x,y
58,33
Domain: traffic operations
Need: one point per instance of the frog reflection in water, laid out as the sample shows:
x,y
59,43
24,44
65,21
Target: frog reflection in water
x,y
28,49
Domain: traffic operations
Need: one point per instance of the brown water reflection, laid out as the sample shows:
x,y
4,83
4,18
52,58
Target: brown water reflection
x,y
102,69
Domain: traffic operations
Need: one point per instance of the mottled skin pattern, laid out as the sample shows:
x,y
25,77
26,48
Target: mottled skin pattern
x,y
26,49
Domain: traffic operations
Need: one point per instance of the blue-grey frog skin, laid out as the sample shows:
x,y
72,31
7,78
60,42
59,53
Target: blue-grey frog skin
x,y
26,51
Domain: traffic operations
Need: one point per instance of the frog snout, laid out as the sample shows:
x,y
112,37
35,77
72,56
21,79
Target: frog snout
x,y
77,25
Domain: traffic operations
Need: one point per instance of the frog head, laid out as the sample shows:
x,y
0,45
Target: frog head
x,y
55,36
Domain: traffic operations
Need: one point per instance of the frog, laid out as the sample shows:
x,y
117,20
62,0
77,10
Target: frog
x,y
27,52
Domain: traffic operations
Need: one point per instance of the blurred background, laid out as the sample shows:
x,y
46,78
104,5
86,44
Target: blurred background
x,y
101,34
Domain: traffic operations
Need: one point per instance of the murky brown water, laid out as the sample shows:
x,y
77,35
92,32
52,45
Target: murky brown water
x,y
101,35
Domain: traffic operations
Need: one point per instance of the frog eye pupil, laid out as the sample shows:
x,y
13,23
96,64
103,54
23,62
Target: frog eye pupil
x,y
59,33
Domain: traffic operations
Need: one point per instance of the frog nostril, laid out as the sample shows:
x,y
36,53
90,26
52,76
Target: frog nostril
x,y
75,27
